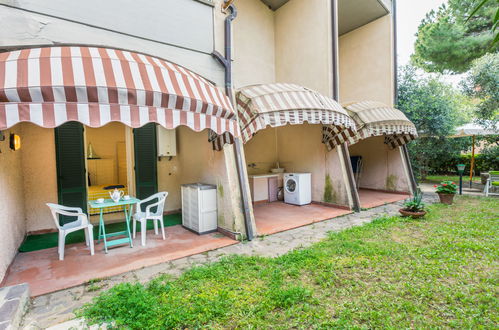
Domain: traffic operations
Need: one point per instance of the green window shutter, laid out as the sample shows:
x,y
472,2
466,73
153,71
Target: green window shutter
x,y
71,175
146,182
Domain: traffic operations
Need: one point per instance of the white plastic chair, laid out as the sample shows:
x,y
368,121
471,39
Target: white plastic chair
x,y
80,223
156,216
492,181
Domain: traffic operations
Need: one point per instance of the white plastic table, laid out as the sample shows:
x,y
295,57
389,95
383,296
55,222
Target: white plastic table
x,y
127,208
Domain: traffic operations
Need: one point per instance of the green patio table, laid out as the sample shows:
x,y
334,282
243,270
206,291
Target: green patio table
x,y
127,208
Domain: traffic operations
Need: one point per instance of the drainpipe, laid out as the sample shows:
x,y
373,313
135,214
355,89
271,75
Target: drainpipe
x,y
405,151
226,61
336,95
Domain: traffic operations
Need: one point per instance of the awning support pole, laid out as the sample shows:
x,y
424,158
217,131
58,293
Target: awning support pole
x,y
405,150
336,96
472,160
226,61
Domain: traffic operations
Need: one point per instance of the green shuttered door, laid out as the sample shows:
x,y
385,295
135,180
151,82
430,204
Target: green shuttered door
x,y
70,157
146,182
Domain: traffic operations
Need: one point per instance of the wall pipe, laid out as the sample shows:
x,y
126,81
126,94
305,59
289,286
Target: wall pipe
x,y
336,95
226,62
405,151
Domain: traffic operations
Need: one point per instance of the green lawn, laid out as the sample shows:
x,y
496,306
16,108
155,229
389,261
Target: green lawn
x,y
441,271
455,178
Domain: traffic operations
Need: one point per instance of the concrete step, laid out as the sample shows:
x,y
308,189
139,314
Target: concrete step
x,y
14,301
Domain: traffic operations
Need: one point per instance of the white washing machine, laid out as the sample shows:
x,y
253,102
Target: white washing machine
x,y
298,188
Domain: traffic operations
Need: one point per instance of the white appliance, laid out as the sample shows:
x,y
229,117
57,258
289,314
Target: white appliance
x,y
298,188
199,207
166,142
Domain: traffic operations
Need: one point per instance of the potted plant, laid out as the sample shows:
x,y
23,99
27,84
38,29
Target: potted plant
x,y
446,191
414,208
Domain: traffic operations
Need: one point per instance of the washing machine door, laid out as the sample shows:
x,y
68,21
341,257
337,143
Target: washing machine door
x,y
290,185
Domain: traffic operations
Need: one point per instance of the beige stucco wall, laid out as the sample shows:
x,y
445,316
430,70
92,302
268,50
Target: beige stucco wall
x,y
366,63
299,150
382,168
40,176
303,44
196,161
253,44
12,212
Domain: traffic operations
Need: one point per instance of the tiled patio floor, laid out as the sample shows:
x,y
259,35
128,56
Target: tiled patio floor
x,y
372,198
46,273
275,217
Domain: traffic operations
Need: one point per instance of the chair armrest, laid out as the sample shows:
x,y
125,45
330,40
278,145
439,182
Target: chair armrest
x,y
71,214
150,206
70,208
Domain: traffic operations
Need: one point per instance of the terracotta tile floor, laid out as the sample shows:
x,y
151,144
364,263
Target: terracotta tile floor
x,y
46,273
277,216
372,198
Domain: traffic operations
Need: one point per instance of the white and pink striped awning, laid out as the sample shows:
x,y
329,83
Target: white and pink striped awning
x,y
52,85
280,104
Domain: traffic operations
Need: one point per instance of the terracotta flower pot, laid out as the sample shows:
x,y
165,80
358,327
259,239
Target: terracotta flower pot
x,y
411,214
446,198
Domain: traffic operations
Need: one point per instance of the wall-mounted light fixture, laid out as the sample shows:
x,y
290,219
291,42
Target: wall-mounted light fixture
x,y
15,142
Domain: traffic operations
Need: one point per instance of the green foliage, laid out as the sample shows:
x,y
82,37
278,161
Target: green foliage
x,y
496,16
415,204
446,41
436,109
446,187
482,83
393,273
486,161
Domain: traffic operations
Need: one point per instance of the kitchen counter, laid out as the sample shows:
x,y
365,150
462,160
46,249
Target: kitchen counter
x,y
266,175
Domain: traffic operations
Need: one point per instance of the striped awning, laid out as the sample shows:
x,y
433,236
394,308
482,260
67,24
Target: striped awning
x,y
52,85
374,119
279,104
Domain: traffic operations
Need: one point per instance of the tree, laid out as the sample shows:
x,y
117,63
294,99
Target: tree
x,y
482,84
496,16
448,42
436,109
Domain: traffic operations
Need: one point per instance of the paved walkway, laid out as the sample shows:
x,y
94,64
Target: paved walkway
x,y
57,307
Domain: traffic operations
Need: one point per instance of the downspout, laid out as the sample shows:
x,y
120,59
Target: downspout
x,y
336,96
405,151
226,61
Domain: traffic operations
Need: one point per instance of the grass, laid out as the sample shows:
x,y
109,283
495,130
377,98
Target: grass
x,y
455,178
441,271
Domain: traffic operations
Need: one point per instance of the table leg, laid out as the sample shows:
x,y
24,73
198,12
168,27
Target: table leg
x,y
128,216
101,224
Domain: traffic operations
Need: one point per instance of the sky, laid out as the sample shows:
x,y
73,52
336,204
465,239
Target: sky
x,y
409,15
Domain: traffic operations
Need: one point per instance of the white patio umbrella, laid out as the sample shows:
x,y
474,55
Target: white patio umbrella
x,y
473,130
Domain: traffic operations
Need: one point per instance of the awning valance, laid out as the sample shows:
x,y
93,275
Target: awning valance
x,y
374,119
52,85
280,104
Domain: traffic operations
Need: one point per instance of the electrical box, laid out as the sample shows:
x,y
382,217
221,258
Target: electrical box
x,y
199,207
167,142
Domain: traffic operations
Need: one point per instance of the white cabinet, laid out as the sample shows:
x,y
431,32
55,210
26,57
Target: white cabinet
x,y
167,142
199,207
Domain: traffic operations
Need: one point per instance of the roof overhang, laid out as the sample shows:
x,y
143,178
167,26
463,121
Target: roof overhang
x,y
352,13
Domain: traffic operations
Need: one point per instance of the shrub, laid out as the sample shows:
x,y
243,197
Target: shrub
x,y
446,187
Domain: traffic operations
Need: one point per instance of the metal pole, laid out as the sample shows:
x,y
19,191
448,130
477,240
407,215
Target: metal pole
x,y
472,160
336,96
226,61
460,183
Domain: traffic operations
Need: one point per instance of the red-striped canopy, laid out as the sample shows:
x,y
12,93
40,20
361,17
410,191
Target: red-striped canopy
x,y
52,85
